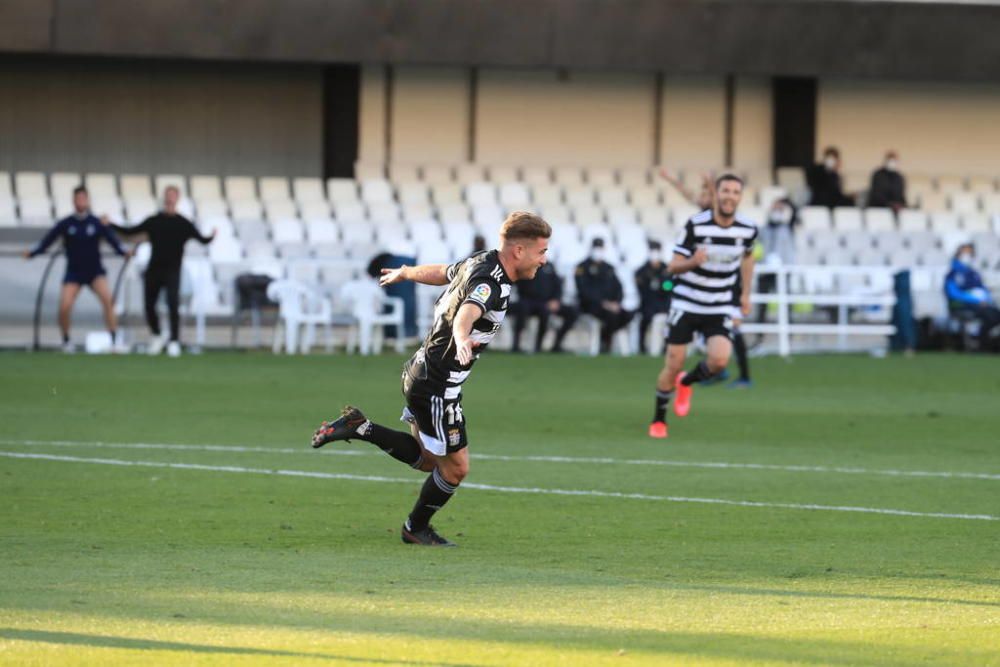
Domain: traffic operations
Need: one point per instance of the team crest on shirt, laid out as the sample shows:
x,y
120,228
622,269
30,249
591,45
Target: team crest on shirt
x,y
454,437
481,293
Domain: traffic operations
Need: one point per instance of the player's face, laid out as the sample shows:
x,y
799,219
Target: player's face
x,y
170,198
729,195
534,254
81,202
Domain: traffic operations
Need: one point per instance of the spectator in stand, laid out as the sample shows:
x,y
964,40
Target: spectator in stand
x,y
888,186
824,181
478,244
967,296
654,283
542,297
601,294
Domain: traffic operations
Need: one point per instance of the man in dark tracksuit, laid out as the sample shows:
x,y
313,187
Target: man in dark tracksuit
x,y
541,297
81,234
168,231
654,283
600,294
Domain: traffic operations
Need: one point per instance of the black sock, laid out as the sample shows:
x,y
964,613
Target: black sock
x,y
114,335
740,347
662,401
65,338
435,492
699,373
397,444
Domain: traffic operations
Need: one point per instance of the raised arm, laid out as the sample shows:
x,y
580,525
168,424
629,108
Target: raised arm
x,y
427,274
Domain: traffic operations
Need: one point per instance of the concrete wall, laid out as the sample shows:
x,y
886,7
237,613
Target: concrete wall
x,y
160,118
937,127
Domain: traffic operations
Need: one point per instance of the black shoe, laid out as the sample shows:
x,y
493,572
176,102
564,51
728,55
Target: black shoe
x,y
344,428
427,537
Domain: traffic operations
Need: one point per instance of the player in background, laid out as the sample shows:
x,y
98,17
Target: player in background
x,y
81,234
713,253
467,316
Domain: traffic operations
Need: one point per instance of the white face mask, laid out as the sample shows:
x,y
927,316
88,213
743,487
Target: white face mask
x,y
655,255
597,254
892,165
781,216
830,162
966,258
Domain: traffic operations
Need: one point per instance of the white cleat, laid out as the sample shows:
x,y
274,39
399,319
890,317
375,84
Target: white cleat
x,y
173,349
156,345
68,348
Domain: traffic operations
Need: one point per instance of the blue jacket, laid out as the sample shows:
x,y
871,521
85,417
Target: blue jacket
x,y
963,286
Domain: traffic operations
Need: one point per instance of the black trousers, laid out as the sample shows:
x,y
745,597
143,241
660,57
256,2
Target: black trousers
x,y
156,280
524,309
646,314
611,322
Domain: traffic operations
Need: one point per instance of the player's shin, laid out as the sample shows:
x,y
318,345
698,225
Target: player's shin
x,y
435,492
397,444
697,374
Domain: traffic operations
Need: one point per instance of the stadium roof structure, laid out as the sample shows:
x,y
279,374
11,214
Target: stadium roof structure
x,y
867,38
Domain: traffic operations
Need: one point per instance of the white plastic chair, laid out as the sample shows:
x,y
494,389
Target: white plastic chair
x,y
365,301
298,307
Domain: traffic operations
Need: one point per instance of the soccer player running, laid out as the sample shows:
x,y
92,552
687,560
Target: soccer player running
x,y
467,316
81,234
712,257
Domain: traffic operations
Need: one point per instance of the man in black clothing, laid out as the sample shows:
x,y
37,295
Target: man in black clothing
x,y
824,181
654,283
167,231
542,298
467,316
888,187
600,294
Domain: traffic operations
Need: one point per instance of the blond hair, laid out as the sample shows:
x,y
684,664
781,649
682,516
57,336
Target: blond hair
x,y
524,225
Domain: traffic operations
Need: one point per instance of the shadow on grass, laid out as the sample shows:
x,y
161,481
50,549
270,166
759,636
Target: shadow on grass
x,y
105,641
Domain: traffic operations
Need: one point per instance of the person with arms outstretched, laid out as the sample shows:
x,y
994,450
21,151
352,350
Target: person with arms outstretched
x,y
81,234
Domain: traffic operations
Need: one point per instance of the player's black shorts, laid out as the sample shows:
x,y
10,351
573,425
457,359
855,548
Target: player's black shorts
x,y
83,276
681,326
439,416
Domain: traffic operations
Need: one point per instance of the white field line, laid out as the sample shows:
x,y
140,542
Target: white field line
x,y
501,489
721,465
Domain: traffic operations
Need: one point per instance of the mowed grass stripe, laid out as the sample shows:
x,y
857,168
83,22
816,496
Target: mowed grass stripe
x,y
583,460
503,489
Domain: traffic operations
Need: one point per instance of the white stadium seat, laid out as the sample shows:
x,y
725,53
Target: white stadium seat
x,y
437,173
404,172
847,219
504,173
274,188
609,196
245,209
240,188
308,190
413,193
514,196
912,220
322,231
815,218
30,185
568,177
879,220
342,190
543,195
376,191
206,187
480,193
536,175
963,202
446,193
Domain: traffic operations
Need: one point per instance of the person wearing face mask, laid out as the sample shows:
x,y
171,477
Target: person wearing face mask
x,y
824,181
600,293
967,296
542,297
888,186
654,283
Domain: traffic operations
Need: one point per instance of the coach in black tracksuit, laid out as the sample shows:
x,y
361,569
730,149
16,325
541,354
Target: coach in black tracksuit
x,y
168,231
600,293
541,297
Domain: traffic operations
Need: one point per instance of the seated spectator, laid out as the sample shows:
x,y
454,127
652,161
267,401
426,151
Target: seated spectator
x,y
654,283
478,244
888,187
541,297
968,297
825,183
600,294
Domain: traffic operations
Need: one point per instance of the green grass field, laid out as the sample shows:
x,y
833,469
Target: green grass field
x,y
246,558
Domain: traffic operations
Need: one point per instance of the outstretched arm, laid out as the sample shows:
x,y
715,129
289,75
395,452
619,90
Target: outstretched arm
x,y
746,278
43,245
428,274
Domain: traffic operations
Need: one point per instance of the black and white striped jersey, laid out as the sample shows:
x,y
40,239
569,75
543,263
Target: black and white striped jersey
x,y
479,280
710,289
